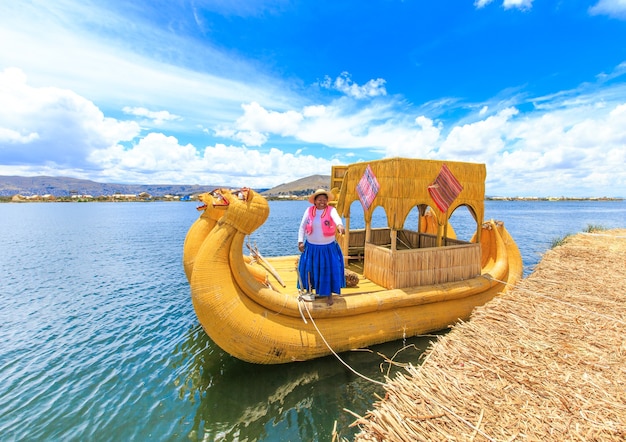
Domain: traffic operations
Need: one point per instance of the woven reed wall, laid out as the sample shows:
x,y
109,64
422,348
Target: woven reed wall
x,y
377,265
454,242
418,267
427,240
408,239
357,238
404,184
356,243
380,236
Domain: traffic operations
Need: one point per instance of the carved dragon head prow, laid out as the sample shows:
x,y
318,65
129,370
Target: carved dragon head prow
x,y
208,209
244,209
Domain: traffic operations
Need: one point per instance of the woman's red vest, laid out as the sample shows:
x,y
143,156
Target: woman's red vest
x,y
328,225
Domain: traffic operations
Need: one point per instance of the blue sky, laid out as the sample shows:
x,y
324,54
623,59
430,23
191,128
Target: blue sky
x,y
259,93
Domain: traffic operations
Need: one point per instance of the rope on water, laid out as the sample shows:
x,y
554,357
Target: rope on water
x,y
306,307
301,302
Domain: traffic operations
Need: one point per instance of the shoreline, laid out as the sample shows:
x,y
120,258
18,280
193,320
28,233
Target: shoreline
x,y
193,198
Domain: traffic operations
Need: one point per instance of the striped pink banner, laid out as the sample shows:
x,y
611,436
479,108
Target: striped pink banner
x,y
444,189
367,188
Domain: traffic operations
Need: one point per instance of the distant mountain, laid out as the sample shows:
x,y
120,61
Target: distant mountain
x,y
301,187
63,186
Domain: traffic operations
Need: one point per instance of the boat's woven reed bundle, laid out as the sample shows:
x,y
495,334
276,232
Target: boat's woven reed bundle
x,y
546,361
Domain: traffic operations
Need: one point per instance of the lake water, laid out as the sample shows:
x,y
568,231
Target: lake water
x,y
99,340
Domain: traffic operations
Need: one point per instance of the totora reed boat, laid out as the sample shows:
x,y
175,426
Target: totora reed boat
x,y
412,279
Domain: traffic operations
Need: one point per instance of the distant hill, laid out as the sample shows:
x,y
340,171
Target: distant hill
x,y
63,186
302,187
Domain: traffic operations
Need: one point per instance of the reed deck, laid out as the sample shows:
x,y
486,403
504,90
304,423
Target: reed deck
x,y
285,266
545,361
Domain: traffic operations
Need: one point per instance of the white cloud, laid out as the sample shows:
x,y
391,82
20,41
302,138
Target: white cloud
x,y
11,136
507,4
340,125
156,117
251,138
619,70
256,118
253,127
158,158
343,83
612,8
416,141
482,3
519,4
479,139
153,152
52,125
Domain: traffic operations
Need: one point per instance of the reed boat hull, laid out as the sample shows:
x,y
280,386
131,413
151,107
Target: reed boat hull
x,y
262,322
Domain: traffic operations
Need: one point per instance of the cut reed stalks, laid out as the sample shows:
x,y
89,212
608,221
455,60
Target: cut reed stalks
x,y
545,361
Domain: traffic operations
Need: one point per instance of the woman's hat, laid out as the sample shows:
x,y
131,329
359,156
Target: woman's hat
x,y
321,192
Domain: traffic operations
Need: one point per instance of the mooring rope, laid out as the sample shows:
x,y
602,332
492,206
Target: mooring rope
x,y
570,304
451,412
460,418
301,301
306,307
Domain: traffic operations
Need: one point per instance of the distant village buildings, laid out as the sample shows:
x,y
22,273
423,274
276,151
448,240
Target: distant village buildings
x,y
18,198
75,196
78,197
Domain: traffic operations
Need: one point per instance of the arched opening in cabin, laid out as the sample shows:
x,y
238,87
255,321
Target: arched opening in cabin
x,y
358,232
463,221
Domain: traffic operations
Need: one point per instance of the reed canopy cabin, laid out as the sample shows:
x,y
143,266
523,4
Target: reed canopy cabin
x,y
410,277
400,256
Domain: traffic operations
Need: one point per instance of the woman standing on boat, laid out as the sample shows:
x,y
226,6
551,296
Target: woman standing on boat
x,y
321,264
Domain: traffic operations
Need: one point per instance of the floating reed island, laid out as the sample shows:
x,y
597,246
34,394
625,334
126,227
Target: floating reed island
x,y
544,361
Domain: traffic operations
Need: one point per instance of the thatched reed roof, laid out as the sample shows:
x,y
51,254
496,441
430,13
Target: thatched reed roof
x,y
404,184
546,361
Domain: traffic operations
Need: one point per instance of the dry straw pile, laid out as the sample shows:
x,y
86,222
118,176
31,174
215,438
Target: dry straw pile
x,y
546,361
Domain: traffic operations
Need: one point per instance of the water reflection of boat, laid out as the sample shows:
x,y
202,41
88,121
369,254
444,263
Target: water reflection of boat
x,y
412,280
234,400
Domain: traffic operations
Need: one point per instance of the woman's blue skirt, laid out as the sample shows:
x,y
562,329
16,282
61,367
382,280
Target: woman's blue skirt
x,y
322,266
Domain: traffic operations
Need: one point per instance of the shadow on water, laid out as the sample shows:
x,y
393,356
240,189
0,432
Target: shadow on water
x,y
235,400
